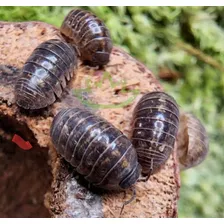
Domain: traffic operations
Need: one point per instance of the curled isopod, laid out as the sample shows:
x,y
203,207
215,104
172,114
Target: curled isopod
x,y
45,74
95,148
192,144
89,35
155,125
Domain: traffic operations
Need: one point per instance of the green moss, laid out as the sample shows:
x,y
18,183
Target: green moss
x,y
153,35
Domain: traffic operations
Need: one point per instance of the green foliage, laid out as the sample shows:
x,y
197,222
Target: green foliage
x,y
187,40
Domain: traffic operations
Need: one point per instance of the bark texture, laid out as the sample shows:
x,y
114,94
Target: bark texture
x,y
56,189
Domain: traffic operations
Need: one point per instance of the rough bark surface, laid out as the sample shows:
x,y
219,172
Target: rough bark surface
x,y
67,195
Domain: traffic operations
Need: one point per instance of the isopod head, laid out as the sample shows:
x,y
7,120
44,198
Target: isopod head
x,y
192,143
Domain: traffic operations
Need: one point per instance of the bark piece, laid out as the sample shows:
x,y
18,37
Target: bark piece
x,y
116,88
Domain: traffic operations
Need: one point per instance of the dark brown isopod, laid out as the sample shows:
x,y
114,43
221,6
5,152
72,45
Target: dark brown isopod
x,y
155,126
95,148
89,35
192,144
45,74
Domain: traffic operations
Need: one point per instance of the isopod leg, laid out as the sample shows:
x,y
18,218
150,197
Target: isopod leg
x,y
144,179
130,200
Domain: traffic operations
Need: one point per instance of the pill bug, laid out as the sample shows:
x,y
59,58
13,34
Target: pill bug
x,y
89,35
95,148
154,129
44,74
192,144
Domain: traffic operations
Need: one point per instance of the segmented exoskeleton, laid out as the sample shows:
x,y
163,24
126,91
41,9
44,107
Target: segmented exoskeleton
x,y
45,74
90,36
95,148
155,125
192,144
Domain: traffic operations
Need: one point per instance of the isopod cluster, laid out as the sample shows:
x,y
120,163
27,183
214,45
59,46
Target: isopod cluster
x,y
51,65
93,146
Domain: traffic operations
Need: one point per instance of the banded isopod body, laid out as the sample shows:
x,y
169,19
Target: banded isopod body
x,y
192,144
155,126
95,148
89,35
45,74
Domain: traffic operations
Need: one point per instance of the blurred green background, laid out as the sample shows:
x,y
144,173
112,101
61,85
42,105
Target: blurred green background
x,y
186,43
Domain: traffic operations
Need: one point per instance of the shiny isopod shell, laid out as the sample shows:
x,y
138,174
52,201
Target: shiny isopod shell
x,y
193,143
154,129
45,74
89,35
95,148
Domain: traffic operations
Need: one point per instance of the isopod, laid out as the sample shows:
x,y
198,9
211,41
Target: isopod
x,y
89,35
192,144
154,129
95,148
45,74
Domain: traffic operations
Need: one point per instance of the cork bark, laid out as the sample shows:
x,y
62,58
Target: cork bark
x,y
58,190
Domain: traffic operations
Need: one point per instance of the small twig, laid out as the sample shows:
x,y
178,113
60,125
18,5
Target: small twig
x,y
200,55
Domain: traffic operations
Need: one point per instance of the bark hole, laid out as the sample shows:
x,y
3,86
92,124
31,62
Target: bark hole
x,y
25,175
